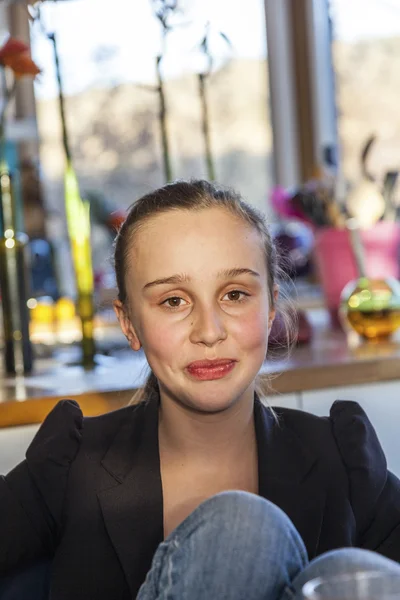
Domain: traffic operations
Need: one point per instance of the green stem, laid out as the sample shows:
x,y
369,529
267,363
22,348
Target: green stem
x,y
205,126
61,100
163,122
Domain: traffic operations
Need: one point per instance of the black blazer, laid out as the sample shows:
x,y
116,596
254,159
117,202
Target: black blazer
x,y
89,492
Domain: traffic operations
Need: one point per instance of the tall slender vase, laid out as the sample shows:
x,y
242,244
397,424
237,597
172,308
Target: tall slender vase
x,y
78,223
13,281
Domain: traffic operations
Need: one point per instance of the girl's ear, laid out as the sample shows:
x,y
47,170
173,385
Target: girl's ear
x,y
126,325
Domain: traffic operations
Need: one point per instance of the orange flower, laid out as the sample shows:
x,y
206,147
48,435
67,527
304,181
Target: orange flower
x,y
15,55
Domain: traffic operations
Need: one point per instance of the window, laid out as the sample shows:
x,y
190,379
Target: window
x,y
366,55
107,53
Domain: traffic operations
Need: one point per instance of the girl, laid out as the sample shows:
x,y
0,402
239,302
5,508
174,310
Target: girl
x,y
199,490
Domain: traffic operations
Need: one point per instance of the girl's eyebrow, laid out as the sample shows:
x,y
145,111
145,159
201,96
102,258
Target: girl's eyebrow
x,y
173,279
182,278
229,273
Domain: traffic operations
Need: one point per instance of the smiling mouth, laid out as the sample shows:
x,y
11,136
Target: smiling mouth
x,y
206,370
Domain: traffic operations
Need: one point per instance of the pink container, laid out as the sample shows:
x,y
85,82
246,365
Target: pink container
x,y
335,261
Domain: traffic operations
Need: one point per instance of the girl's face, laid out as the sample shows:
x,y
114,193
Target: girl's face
x,y
199,306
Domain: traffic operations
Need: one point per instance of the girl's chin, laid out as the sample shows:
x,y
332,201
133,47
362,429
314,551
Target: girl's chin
x,y
209,408
212,403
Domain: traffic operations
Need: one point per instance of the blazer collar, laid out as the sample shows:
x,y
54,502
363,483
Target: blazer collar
x,y
287,476
133,508
282,456
137,433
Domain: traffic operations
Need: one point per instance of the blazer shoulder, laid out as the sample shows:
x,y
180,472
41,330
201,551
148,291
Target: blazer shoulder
x,y
317,433
59,436
347,437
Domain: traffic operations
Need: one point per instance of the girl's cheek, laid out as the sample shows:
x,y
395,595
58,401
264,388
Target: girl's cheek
x,y
162,337
253,328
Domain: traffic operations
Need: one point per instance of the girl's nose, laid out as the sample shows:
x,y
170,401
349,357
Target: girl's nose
x,y
208,327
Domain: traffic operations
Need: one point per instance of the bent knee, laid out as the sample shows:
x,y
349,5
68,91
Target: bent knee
x,y
243,509
242,520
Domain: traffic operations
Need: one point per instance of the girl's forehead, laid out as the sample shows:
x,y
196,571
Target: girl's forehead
x,y
179,222
186,240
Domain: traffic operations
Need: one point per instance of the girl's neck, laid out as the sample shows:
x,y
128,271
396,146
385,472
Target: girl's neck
x,y
194,436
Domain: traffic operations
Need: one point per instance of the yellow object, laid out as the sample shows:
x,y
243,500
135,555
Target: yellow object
x,y
78,222
42,311
371,307
65,309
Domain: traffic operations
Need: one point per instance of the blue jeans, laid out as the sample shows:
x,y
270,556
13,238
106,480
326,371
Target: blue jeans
x,y
238,546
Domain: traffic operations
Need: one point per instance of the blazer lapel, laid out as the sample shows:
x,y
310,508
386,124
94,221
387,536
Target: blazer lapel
x,y
133,509
286,476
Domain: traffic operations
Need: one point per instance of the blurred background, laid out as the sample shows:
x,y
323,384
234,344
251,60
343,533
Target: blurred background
x,y
291,102
282,109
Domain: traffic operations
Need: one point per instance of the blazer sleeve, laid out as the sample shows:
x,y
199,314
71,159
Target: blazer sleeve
x,y
374,491
32,494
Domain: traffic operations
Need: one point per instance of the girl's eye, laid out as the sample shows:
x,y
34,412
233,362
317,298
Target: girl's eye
x,y
173,302
236,296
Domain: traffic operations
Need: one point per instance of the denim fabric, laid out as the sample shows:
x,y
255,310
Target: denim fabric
x,y
238,546
233,546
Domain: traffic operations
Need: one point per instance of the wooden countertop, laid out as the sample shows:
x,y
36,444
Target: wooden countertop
x,y
331,359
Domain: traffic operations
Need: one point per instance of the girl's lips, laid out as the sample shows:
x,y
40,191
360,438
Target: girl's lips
x,y
211,369
217,362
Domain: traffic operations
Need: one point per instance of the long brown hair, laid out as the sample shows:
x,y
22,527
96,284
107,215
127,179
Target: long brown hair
x,y
195,195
